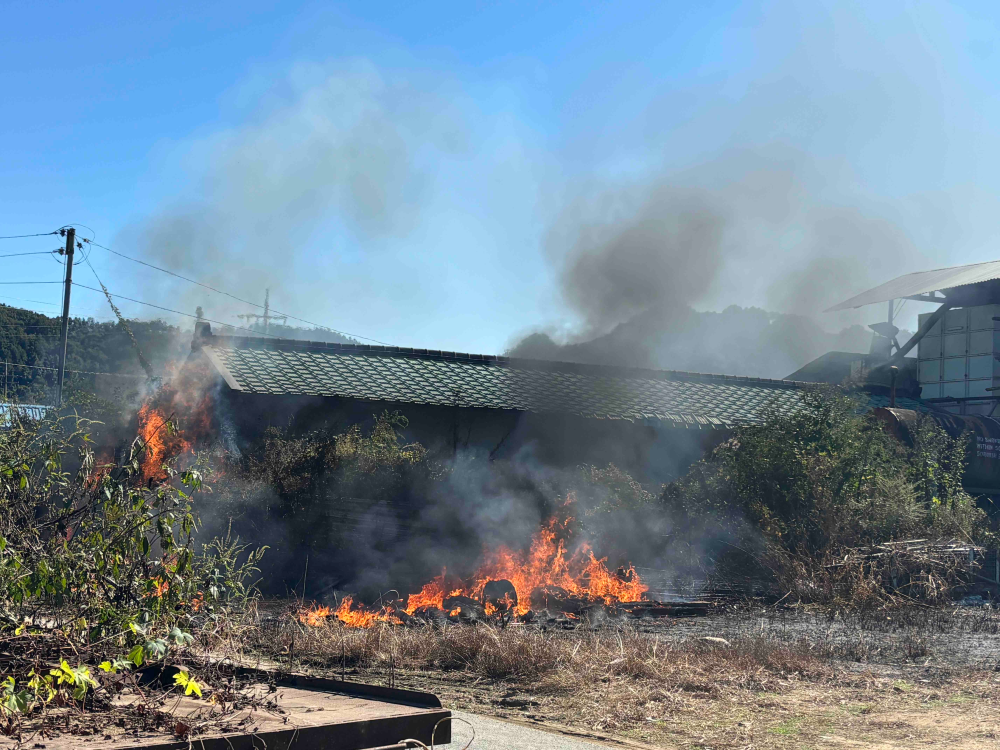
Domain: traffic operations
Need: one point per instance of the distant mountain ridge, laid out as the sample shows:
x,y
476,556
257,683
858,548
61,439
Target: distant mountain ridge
x,y
737,341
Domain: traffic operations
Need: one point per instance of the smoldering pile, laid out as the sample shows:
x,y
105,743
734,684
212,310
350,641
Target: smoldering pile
x,y
543,584
498,603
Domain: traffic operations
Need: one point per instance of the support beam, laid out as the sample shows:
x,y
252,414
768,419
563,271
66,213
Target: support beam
x,y
896,358
892,304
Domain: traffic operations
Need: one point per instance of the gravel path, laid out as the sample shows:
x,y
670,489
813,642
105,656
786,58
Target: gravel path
x,y
495,734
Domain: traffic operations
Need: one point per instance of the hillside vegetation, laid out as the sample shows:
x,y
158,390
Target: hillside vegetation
x,y
29,345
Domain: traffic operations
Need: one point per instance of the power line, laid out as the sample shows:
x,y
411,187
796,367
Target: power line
x,y
37,252
168,309
18,325
29,282
57,257
79,372
35,301
231,296
146,367
22,236
93,314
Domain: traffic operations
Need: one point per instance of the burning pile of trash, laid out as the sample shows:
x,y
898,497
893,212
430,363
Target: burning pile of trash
x,y
545,582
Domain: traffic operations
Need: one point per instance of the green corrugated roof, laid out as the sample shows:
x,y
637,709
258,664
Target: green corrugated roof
x,y
880,401
31,411
419,376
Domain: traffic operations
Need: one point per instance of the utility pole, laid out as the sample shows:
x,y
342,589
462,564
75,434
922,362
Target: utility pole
x,y
68,254
250,318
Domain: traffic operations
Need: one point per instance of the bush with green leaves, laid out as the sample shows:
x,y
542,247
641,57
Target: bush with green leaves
x,y
290,487
98,561
826,478
372,462
90,545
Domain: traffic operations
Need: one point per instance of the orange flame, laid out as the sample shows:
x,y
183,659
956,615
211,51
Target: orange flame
x,y
314,616
152,430
160,587
432,594
361,617
546,563
350,615
162,443
502,606
188,401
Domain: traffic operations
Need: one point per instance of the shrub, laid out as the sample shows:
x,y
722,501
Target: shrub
x,y
826,478
97,563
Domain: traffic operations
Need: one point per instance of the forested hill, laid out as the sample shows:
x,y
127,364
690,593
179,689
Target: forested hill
x,y
736,341
29,352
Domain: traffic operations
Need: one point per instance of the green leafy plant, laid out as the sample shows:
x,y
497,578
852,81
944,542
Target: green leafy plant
x,y
76,679
80,537
100,559
183,680
12,700
114,666
796,490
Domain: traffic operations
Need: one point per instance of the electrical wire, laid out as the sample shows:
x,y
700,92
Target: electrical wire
x,y
79,243
57,256
29,282
278,313
79,372
37,252
93,314
171,310
147,368
34,301
77,226
22,236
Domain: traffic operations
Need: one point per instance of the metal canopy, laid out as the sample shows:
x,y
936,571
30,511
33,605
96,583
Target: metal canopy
x,y
924,282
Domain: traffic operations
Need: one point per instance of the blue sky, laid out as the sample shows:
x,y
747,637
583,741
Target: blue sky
x,y
423,174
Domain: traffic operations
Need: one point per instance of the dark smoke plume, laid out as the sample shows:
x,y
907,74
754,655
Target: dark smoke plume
x,y
664,252
636,261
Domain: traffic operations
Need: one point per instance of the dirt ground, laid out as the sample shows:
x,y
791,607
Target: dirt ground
x,y
852,710
921,679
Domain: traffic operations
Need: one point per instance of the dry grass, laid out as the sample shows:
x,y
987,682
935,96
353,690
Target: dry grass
x,y
517,652
759,689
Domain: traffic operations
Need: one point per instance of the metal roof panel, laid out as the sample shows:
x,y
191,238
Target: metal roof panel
x,y
446,379
924,282
31,411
